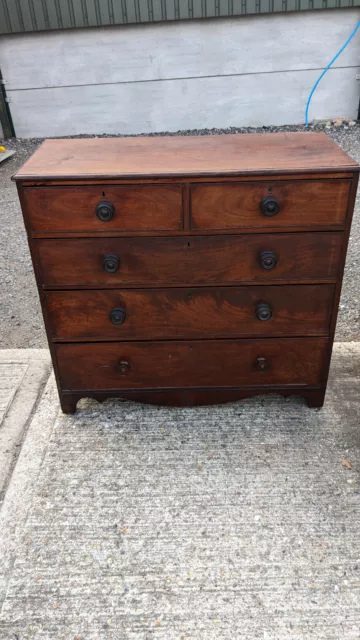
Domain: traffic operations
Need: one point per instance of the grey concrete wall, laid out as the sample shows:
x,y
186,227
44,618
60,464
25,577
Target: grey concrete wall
x,y
253,70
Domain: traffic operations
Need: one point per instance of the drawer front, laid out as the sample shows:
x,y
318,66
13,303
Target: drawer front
x,y
218,363
107,208
133,314
197,259
270,205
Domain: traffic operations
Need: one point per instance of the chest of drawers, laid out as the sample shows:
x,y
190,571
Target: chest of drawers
x,y
189,270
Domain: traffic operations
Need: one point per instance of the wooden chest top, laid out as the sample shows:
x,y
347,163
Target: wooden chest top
x,y
240,154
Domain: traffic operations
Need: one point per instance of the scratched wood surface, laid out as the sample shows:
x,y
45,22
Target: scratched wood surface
x,y
143,207
224,205
210,312
192,155
188,259
296,361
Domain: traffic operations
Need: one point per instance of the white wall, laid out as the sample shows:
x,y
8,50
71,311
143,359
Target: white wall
x,y
253,70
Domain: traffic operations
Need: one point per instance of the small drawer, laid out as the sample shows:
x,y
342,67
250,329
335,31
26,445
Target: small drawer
x,y
219,363
197,260
218,312
105,208
297,203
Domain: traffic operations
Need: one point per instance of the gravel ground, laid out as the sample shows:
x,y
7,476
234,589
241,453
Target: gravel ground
x,y
21,324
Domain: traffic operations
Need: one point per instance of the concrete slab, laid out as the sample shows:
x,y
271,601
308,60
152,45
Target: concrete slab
x,y
23,373
134,522
4,155
11,376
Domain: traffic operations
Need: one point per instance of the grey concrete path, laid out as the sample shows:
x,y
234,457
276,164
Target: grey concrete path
x,y
23,374
132,522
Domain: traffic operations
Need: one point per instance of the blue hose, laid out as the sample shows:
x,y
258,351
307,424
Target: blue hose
x,y
325,70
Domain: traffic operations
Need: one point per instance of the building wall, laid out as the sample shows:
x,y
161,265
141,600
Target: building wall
x,y
18,16
240,71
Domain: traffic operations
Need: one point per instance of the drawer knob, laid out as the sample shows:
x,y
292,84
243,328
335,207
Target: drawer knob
x,y
105,211
111,263
117,316
124,367
268,260
270,206
263,311
261,364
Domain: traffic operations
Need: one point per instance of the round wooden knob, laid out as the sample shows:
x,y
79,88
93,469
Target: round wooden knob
x,y
105,211
124,367
117,316
268,260
263,311
111,263
270,206
261,364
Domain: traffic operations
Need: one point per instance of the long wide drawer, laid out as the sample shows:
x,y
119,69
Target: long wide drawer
x,y
197,259
269,205
218,363
209,312
104,209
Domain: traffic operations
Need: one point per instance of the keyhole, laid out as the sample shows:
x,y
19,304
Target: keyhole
x,y
103,194
188,244
189,295
270,189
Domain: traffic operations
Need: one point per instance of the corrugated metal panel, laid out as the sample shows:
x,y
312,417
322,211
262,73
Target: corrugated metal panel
x,y
37,15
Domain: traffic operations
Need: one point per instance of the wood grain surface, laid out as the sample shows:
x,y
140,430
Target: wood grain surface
x,y
189,259
185,156
220,363
143,207
221,206
211,312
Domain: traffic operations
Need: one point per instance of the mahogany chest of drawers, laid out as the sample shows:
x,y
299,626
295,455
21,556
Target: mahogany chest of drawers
x,y
189,270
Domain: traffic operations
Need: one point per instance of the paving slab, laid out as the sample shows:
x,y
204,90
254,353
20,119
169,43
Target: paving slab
x,y
23,373
128,521
11,376
5,155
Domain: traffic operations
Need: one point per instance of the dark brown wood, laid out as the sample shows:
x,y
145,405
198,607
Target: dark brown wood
x,y
239,205
211,312
220,363
197,260
139,305
186,206
182,233
193,397
68,402
307,174
75,209
346,236
21,193
185,156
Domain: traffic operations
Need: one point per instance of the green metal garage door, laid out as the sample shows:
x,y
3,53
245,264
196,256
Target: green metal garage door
x,y
37,15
